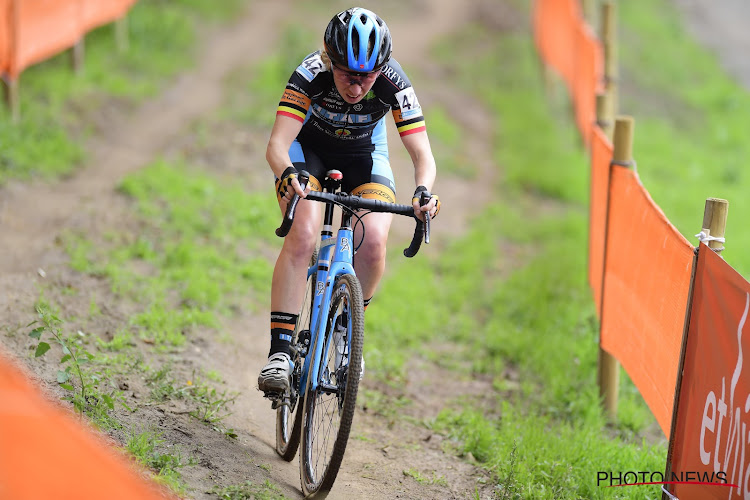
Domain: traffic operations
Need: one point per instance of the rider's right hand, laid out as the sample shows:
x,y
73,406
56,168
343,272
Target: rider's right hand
x,y
289,184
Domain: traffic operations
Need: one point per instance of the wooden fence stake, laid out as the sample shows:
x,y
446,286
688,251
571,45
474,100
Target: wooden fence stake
x,y
609,44
605,113
12,98
77,52
609,367
122,40
588,10
715,221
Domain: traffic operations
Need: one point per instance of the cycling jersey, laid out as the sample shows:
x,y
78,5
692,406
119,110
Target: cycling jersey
x,y
349,137
329,121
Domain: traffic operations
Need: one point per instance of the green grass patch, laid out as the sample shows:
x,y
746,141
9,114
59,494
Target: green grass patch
x,y
249,491
146,446
254,92
690,137
58,107
195,255
535,316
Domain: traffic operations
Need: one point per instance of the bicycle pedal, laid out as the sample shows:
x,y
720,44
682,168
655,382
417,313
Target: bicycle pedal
x,y
276,397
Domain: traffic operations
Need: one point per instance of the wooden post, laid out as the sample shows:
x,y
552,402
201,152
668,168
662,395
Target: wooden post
x,y
12,98
588,10
122,40
77,54
609,44
11,79
622,151
715,221
605,114
609,367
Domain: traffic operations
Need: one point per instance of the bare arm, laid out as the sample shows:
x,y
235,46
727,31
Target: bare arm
x,y
285,130
425,171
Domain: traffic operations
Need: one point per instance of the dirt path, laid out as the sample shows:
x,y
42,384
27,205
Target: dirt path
x,y
721,25
34,215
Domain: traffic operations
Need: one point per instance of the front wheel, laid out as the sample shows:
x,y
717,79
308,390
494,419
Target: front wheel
x,y
289,421
329,407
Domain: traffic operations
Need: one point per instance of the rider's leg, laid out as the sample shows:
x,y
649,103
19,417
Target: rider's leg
x,y
289,277
287,294
369,261
290,272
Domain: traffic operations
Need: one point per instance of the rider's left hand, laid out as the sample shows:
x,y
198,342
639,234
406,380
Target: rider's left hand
x,y
432,206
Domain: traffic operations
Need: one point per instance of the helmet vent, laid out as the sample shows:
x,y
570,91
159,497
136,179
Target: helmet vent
x,y
371,43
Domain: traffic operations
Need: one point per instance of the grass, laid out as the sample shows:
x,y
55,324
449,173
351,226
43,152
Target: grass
x,y
689,148
197,238
190,258
146,447
537,318
57,106
249,490
690,140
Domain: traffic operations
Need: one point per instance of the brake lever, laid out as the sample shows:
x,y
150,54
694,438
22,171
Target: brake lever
x,y
424,199
286,224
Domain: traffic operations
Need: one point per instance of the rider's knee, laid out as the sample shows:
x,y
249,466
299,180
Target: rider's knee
x,y
373,252
301,240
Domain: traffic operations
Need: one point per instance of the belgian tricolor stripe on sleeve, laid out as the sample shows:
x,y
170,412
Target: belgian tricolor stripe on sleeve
x,y
294,104
406,127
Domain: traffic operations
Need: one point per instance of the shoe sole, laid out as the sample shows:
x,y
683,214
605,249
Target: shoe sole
x,y
273,384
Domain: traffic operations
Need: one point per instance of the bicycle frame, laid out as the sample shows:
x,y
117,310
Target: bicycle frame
x,y
335,258
336,296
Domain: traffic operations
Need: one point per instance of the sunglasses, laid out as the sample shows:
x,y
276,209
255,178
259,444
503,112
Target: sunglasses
x,y
353,77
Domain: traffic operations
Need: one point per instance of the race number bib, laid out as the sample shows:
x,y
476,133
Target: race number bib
x,y
407,101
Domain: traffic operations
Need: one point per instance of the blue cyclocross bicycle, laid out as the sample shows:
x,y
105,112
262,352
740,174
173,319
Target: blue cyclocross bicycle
x,y
328,339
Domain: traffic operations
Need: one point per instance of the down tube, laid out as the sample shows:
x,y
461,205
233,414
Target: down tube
x,y
313,272
321,298
337,269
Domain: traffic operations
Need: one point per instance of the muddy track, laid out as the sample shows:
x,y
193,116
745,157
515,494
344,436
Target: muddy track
x,y
33,216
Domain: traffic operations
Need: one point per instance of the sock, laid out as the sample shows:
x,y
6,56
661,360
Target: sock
x,y
282,329
366,302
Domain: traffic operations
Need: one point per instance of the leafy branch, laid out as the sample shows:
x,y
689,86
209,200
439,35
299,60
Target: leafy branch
x,y
74,356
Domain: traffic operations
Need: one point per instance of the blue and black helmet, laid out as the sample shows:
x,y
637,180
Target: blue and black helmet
x,y
358,40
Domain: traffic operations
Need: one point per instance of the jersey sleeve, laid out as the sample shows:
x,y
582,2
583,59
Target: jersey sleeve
x,y
295,102
407,113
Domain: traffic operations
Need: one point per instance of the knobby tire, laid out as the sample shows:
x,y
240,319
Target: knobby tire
x,y
289,421
319,459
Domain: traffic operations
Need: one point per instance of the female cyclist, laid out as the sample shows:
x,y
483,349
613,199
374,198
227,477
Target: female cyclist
x,y
332,116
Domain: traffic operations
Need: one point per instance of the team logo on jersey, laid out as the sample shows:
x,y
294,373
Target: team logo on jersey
x,y
357,107
342,132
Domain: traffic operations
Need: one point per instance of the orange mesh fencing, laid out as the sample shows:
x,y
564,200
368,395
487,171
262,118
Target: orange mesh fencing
x,y
46,453
98,12
555,37
589,71
566,43
648,268
601,156
5,35
712,421
44,28
34,30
